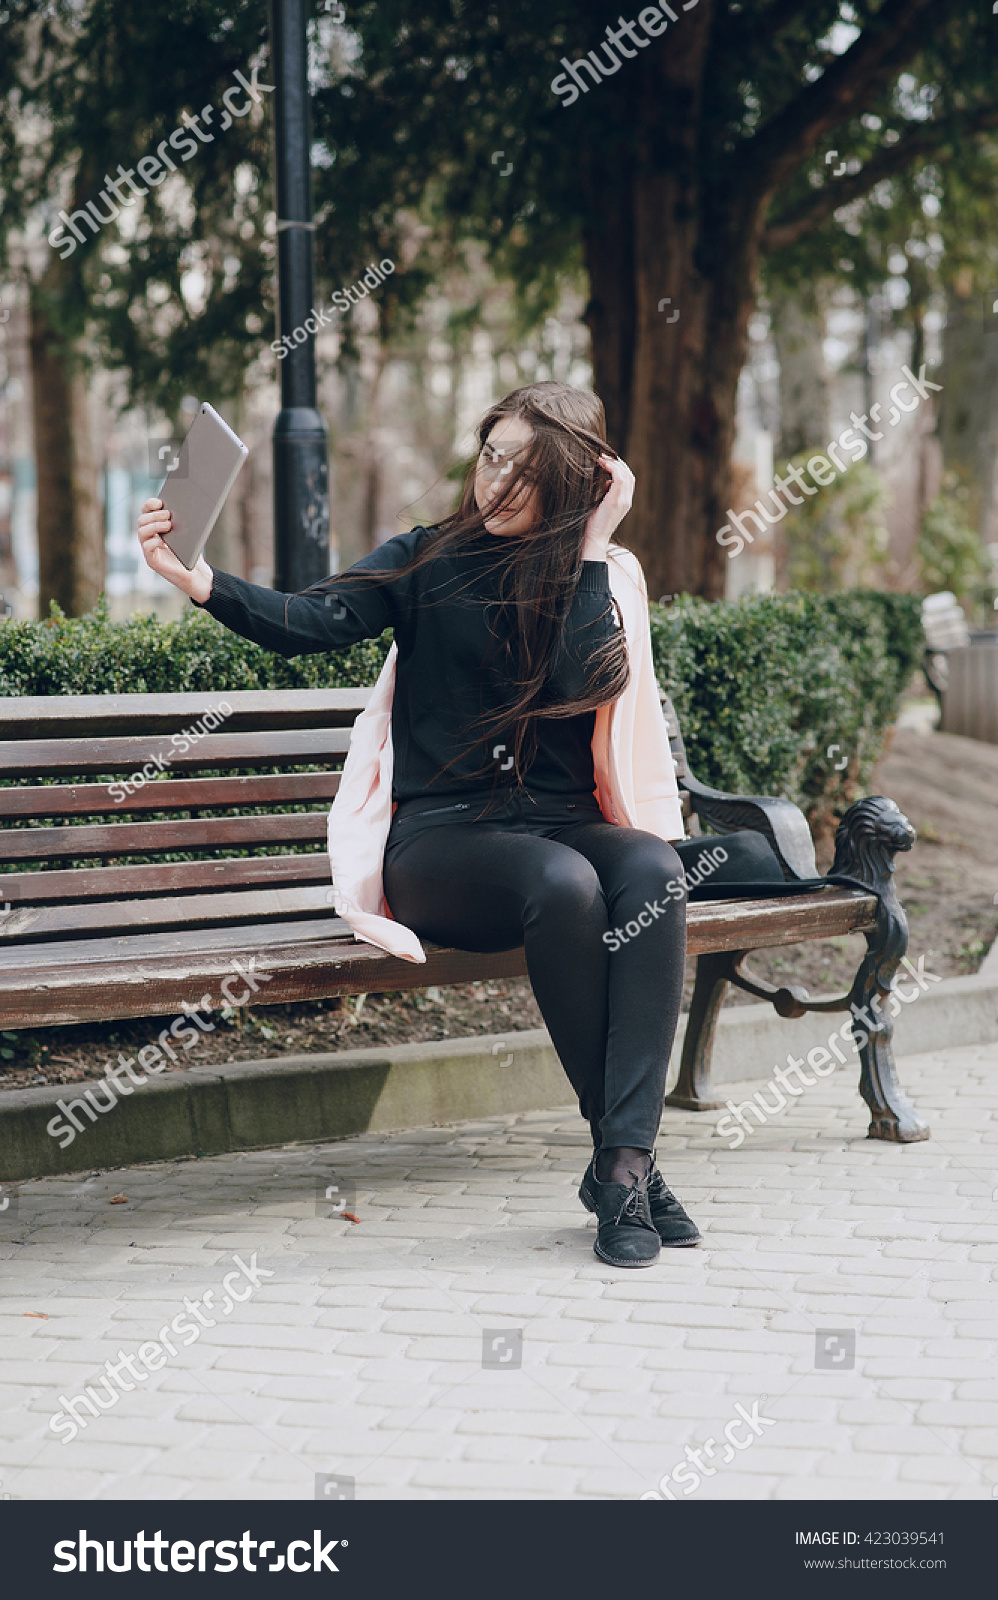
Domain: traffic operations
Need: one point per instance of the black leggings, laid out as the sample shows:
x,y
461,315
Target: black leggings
x,y
604,938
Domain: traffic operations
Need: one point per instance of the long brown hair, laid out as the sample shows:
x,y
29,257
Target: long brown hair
x,y
541,568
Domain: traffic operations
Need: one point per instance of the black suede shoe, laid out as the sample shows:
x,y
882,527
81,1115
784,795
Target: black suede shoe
x,y
669,1219
625,1235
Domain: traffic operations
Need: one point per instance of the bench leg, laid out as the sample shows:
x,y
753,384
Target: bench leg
x,y
892,1115
692,1091
870,835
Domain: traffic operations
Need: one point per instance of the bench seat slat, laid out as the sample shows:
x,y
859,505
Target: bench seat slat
x,y
20,803
96,883
33,758
157,974
303,972
165,911
139,949
151,838
760,924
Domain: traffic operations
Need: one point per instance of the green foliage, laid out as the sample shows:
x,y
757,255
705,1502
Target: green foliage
x,y
91,655
951,555
837,539
412,118
766,685
927,221
88,84
409,105
763,686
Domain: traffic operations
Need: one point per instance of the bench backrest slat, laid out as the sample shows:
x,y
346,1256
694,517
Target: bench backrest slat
x,y
94,799
52,757
147,838
67,716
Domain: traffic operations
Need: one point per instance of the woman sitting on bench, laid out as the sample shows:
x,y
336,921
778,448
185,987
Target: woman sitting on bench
x,y
511,782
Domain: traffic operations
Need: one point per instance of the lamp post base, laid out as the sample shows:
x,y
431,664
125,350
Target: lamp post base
x,y
301,499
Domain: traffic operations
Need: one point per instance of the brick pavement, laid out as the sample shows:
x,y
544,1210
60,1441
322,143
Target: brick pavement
x,y
362,1356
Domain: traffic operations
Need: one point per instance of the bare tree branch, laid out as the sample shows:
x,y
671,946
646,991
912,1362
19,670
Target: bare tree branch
x,y
780,15
887,42
801,219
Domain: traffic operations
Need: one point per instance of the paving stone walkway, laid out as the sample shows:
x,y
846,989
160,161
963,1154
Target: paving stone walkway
x,y
834,1337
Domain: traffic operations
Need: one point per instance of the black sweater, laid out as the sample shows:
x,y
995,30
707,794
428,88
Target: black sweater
x,y
452,635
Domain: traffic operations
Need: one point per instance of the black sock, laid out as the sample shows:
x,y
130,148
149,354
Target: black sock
x,y
622,1164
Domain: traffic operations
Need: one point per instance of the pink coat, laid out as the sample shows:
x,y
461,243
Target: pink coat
x,y
635,774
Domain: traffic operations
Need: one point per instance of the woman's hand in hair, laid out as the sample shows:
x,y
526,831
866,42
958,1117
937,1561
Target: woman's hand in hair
x,y
155,521
611,511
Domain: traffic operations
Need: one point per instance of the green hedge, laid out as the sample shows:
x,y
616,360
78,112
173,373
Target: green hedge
x,y
766,685
92,655
763,686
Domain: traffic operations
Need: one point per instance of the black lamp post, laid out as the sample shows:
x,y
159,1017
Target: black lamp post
x,y
301,477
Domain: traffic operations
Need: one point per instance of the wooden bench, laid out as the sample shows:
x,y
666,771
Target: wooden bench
x,y
101,916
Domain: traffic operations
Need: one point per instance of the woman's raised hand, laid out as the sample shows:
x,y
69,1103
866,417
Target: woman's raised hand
x,y
611,511
155,521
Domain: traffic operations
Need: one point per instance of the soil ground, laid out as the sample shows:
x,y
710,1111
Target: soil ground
x,y
948,787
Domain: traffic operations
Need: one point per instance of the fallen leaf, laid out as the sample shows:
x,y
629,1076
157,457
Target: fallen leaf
x,y
41,1314
119,1199
349,1216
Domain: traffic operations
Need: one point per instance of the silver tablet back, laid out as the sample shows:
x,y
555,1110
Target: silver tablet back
x,y
208,464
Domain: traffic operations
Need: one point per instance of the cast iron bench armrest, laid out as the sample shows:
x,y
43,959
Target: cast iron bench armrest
x,y
782,823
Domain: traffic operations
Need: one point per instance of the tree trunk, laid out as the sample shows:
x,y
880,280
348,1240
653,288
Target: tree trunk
x,y
675,224
674,276
805,389
671,384
968,408
71,558
369,504
610,314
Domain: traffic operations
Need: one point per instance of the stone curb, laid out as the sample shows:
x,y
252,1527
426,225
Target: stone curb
x,y
250,1105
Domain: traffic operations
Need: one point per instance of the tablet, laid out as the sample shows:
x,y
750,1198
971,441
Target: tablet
x,y
208,464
